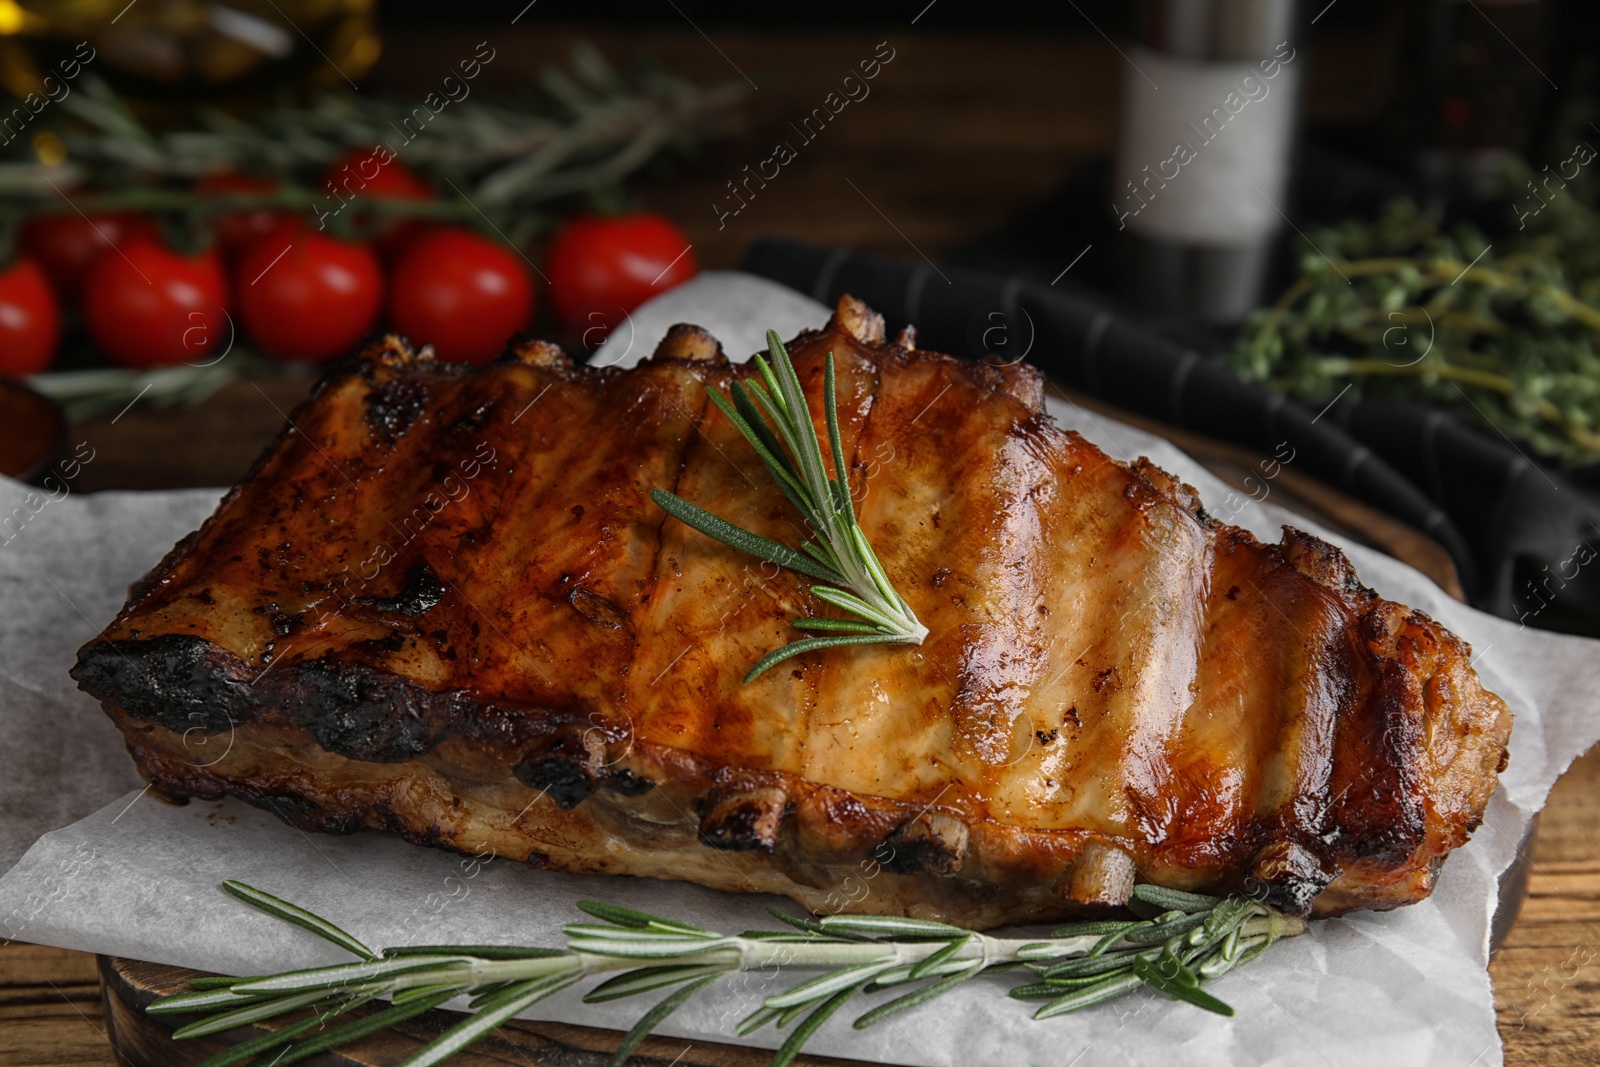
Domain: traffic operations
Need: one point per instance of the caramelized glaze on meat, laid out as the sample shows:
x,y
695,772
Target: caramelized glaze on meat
x,y
444,605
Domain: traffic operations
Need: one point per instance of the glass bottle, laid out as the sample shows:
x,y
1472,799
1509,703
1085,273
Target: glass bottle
x,y
1200,182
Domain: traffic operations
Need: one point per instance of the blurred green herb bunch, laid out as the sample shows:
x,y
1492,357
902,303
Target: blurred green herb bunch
x,y
1404,306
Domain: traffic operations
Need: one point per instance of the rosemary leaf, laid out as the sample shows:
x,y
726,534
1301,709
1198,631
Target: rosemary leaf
x,y
902,975
819,551
812,926
281,1036
1056,987
654,1017
1184,986
1230,948
920,996
756,1020
808,925
1175,899
830,407
929,965
745,405
842,626
841,599
775,411
1222,963
893,925
189,1003
722,530
827,984
487,1020
1096,929
808,644
254,1012
424,992
631,983
1086,965
809,454
766,447
215,981
1144,909
363,1027
291,913
802,1033
1145,934
1040,990
480,952
768,391
1105,943
1228,915
342,975
620,916
1249,949
1099,993
489,994
870,559
632,934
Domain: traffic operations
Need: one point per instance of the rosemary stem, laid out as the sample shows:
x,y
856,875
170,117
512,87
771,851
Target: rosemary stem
x,y
771,955
748,955
757,954
753,955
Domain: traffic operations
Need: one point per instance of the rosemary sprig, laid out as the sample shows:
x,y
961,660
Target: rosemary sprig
x,y
519,163
773,415
1185,941
85,394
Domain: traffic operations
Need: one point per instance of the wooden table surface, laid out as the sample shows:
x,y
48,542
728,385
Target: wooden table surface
x,y
961,132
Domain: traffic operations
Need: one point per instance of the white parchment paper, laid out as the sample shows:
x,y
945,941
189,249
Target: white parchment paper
x,y
137,877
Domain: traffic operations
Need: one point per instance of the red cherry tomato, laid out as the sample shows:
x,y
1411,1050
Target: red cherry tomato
x,y
149,306
602,268
368,173
461,293
30,319
304,296
68,246
236,230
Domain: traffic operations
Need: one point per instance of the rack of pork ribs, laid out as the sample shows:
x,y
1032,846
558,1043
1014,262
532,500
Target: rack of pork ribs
x,y
443,605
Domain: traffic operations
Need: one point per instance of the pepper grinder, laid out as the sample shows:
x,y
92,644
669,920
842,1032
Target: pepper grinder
x,y
1210,106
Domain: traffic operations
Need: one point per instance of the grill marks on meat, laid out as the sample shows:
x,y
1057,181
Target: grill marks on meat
x,y
498,641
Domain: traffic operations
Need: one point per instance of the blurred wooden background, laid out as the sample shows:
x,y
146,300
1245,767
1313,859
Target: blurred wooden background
x,y
962,131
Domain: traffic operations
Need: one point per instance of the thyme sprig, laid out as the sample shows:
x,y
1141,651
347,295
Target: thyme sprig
x,y
1505,332
1181,942
773,415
